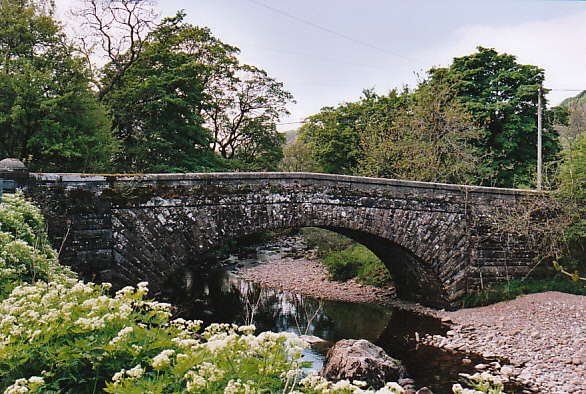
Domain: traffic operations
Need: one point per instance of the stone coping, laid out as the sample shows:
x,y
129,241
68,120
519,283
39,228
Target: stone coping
x,y
183,178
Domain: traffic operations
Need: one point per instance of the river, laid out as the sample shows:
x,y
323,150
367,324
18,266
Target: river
x,y
216,294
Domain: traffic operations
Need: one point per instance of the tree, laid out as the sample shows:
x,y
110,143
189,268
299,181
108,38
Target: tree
x,y
186,97
118,29
297,158
49,116
156,104
429,139
501,95
245,106
334,134
572,130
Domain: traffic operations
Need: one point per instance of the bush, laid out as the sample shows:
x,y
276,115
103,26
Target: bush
x,y
346,259
512,289
25,254
325,241
357,261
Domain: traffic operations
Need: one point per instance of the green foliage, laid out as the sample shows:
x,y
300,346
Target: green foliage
x,y
512,289
346,259
334,134
572,187
49,115
297,157
325,241
25,254
429,139
357,261
501,95
472,122
156,103
187,99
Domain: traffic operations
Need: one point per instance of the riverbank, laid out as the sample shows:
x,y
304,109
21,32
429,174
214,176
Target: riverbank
x,y
543,337
309,277
540,337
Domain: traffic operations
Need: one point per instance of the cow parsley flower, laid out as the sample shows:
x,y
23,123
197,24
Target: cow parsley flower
x,y
162,359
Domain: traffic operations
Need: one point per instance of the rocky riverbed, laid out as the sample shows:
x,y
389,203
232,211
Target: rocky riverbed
x,y
538,340
543,337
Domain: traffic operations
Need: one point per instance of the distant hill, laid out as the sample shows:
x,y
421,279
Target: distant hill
x,y
291,136
578,100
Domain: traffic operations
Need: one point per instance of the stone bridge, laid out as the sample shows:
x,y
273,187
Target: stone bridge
x,y
437,240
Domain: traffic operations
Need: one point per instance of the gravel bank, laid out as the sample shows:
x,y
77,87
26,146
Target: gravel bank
x,y
541,337
309,277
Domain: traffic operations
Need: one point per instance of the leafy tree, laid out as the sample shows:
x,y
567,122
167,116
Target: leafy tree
x,y
48,114
571,126
334,134
245,106
429,139
187,98
297,158
501,95
156,104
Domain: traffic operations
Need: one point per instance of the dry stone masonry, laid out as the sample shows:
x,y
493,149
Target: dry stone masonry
x,y
436,239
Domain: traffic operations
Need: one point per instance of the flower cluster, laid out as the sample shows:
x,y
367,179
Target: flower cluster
x,y
230,360
46,326
317,384
25,254
481,383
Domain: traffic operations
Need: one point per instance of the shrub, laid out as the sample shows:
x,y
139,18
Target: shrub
x,y
325,241
346,259
25,254
514,288
357,261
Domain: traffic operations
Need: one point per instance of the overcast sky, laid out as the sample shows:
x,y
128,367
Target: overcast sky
x,y
327,51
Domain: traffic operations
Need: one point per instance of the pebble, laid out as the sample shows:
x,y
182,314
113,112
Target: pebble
x,y
542,336
539,339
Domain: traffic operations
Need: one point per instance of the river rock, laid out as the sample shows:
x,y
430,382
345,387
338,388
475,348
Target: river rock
x,y
361,360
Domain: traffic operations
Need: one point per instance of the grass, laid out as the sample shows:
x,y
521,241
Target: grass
x,y
514,288
346,259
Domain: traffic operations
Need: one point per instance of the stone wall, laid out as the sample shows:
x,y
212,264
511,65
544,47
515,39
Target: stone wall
x,y
435,239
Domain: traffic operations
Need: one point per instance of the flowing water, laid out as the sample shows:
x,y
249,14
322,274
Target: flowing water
x,y
217,295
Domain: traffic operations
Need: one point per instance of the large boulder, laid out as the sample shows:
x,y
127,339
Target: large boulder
x,y
353,359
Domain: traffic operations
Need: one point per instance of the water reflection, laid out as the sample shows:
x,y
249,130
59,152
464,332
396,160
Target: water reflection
x,y
219,296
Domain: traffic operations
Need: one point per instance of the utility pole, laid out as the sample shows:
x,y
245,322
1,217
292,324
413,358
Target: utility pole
x,y
539,139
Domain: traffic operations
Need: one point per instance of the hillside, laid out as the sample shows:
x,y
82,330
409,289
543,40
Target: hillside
x,y
578,100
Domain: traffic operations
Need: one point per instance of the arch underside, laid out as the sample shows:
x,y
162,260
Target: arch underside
x,y
152,242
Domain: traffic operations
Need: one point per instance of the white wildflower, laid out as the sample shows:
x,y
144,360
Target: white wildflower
x,y
359,383
162,359
135,372
118,375
37,380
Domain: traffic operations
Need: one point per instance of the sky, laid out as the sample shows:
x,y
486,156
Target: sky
x,y
327,52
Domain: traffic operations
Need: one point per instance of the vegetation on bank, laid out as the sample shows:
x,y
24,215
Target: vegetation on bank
x,y
346,259
512,289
